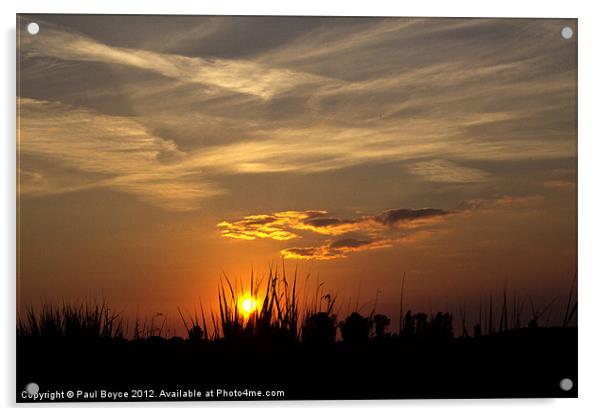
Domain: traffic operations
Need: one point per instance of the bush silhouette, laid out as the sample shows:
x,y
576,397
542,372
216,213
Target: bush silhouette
x,y
419,326
381,322
319,328
442,326
356,329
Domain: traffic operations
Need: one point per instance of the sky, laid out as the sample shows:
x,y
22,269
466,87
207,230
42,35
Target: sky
x,y
156,153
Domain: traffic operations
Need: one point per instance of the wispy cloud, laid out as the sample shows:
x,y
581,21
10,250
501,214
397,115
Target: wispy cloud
x,y
560,184
339,237
272,226
446,172
502,202
351,93
240,76
336,249
108,151
278,226
382,230
411,216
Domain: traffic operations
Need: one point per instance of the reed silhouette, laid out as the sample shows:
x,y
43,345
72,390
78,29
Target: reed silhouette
x,y
268,335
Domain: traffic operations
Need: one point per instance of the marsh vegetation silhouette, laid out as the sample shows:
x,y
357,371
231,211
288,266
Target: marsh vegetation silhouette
x,y
267,336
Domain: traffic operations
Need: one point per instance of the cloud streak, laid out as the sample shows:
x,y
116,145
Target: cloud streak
x,y
378,231
346,94
110,151
239,76
336,249
285,225
444,171
341,237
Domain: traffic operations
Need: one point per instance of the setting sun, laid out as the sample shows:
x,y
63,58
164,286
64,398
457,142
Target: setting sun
x,y
247,305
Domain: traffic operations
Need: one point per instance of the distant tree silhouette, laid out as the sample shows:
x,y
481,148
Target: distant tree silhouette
x,y
356,328
319,328
409,325
442,326
195,333
419,326
380,324
422,325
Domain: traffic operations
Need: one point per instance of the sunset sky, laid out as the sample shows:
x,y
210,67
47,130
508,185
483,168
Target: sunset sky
x,y
156,152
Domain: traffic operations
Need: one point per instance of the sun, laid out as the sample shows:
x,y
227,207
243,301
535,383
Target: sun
x,y
247,304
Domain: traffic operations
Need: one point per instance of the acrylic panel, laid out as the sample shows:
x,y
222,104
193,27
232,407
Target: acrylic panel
x,y
295,208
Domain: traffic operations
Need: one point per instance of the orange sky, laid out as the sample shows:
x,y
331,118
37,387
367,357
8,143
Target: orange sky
x,y
157,152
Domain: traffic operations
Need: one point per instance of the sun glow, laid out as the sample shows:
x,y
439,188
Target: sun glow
x,y
247,304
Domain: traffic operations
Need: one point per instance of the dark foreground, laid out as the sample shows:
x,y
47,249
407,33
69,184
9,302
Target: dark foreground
x,y
516,364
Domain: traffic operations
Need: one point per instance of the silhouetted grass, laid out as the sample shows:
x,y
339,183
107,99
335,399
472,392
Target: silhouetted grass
x,y
290,340
286,312
276,312
84,320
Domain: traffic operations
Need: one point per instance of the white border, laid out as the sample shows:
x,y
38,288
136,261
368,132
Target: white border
x,y
590,203
469,8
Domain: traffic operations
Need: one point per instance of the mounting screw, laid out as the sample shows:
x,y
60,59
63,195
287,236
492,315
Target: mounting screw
x,y
566,384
